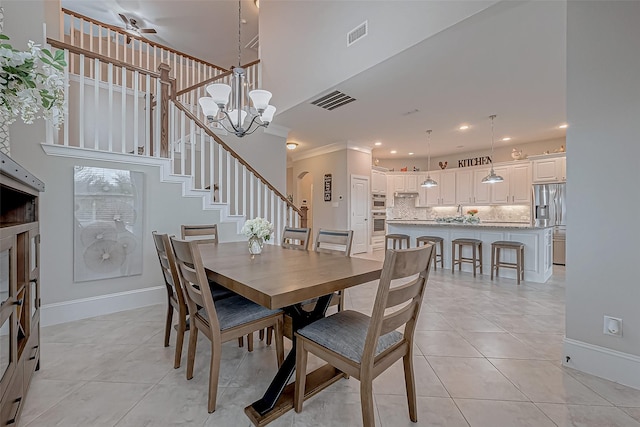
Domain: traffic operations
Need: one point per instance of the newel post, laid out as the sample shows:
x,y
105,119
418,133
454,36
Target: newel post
x,y
303,216
165,86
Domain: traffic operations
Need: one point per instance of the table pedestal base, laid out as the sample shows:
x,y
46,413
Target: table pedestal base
x,y
317,380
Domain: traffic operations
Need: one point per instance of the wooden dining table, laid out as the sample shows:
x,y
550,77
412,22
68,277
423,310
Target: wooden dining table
x,y
284,278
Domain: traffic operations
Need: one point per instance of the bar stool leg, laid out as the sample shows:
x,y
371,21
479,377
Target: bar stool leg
x,y
480,257
522,250
518,264
474,265
441,254
493,260
453,257
497,262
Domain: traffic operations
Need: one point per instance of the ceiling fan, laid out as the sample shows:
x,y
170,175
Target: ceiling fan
x,y
132,28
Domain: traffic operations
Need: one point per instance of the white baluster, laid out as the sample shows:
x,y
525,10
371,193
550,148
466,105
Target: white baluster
x,y
220,151
192,145
252,194
203,171
110,126
123,118
66,96
81,103
183,150
156,133
147,117
96,100
136,127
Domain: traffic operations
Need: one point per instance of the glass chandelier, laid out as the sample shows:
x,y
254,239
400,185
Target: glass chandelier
x,y
428,183
492,178
233,114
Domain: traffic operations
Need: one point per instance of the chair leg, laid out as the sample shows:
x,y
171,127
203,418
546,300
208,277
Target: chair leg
x,y
182,326
269,335
191,354
240,341
250,341
279,329
341,302
214,374
410,384
167,326
301,376
366,401
261,334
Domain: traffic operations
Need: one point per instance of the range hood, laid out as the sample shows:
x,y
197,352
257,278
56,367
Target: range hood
x,y
406,194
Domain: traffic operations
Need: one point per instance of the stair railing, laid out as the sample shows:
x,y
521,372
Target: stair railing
x,y
114,42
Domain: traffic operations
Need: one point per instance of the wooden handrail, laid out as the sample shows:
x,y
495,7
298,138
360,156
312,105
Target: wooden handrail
x,y
154,44
214,78
209,132
102,58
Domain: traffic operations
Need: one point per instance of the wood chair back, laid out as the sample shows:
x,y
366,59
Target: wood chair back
x,y
169,268
207,232
296,238
398,265
334,241
194,280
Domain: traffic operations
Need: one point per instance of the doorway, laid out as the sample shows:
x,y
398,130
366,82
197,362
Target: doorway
x,y
304,193
359,213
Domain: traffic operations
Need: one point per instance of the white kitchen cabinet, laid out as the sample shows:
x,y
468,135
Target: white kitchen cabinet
x,y
549,168
447,184
398,183
481,192
520,184
390,191
411,183
421,201
464,187
378,182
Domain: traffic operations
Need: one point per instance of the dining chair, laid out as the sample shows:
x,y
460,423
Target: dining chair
x,y
175,295
220,321
209,233
363,346
296,238
335,242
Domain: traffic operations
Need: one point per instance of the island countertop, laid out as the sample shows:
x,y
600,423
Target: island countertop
x,y
432,223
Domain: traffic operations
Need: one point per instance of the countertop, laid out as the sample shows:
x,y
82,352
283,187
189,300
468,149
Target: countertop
x,y
432,223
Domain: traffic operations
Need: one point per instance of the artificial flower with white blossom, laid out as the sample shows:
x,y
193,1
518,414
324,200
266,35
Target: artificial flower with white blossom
x,y
258,227
31,81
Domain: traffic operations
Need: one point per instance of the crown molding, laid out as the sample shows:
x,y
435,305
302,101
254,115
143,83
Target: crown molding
x,y
277,130
329,148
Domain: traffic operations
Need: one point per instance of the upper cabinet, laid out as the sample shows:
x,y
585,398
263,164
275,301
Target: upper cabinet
x,y
378,182
481,192
464,187
444,194
549,168
516,187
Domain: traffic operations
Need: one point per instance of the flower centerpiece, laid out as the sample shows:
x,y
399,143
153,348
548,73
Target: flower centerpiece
x,y
31,81
257,230
471,217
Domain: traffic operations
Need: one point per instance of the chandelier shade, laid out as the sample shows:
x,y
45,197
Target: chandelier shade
x,y
231,107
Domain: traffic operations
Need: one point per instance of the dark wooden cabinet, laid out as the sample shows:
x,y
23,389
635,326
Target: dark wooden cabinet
x,y
19,286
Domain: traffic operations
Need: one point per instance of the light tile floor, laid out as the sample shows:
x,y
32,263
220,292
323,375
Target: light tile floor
x,y
486,354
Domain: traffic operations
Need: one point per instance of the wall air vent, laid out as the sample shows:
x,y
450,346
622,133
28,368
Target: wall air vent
x,y
333,100
357,33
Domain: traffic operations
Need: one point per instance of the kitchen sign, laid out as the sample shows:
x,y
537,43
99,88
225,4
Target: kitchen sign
x,y
475,161
327,187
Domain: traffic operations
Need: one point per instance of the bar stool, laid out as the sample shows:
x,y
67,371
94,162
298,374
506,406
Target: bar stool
x,y
495,257
475,260
396,238
436,256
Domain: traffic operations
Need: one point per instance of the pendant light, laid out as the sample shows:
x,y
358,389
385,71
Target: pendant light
x,y
232,114
428,183
492,178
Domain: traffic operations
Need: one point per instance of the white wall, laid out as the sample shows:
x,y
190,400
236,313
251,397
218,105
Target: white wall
x,y
603,108
303,44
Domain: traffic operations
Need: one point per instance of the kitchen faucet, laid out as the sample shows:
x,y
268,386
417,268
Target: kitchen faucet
x,y
459,211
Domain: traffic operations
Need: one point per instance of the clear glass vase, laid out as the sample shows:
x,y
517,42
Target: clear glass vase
x,y
255,245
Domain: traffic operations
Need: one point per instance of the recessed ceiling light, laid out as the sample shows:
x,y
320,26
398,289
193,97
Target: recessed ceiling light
x,y
464,127
411,154
378,143
291,145
506,138
563,126
393,151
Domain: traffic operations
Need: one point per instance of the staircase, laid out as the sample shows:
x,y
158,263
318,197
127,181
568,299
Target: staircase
x,y
137,102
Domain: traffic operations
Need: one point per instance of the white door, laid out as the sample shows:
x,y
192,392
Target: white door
x,y
360,213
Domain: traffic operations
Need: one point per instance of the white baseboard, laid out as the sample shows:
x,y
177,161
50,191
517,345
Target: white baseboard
x,y
68,311
622,368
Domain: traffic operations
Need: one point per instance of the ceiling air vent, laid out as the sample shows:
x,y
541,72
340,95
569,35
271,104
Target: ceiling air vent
x,y
332,101
357,33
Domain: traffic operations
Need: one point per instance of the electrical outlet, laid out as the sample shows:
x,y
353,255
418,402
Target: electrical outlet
x,y
612,326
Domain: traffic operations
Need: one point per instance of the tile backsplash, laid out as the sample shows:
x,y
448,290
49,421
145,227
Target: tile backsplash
x,y
406,209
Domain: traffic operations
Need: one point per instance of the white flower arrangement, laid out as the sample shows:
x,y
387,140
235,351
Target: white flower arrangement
x,y
258,227
30,81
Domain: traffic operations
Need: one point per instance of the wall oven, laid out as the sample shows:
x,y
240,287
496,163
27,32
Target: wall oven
x,y
378,202
379,220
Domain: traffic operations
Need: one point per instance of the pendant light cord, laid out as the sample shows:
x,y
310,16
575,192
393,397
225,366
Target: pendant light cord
x,y
429,151
492,138
239,25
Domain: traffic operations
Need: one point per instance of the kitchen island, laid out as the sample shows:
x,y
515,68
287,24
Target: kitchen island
x,y
538,244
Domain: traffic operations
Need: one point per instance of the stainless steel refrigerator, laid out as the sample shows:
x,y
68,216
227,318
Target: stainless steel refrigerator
x,y
550,209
